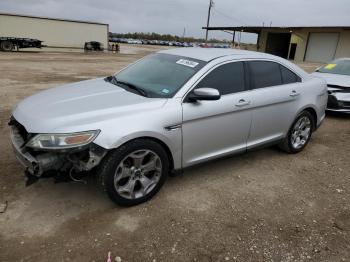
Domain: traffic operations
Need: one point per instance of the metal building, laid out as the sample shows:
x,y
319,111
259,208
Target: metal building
x,y
57,33
312,44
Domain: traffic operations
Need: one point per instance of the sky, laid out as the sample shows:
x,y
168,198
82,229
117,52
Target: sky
x,y
172,16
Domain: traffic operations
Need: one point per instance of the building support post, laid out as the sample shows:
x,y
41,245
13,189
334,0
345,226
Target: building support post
x,y
233,38
258,41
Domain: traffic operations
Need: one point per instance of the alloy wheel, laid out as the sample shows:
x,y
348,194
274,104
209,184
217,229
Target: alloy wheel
x,y
137,174
301,132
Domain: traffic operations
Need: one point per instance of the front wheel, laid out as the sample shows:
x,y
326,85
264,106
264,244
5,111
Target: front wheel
x,y
299,133
7,46
134,172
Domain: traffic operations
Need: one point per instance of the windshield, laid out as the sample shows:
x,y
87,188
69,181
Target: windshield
x,y
160,75
339,67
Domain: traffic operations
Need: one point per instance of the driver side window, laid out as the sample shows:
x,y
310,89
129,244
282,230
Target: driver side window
x,y
227,78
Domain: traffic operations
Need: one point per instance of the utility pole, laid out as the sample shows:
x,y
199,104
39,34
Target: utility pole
x,y
183,34
211,3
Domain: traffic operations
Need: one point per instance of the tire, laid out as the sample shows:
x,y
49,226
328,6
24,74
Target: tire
x,y
297,139
124,173
7,46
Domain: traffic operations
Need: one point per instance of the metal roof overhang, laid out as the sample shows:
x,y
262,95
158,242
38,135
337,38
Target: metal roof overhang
x,y
257,29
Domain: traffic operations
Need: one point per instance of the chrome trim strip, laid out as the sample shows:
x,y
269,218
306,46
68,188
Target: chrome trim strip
x,y
173,127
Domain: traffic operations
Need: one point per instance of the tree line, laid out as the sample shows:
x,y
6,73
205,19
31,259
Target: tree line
x,y
163,37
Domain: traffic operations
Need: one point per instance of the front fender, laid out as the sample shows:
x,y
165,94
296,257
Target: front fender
x,y
171,139
143,134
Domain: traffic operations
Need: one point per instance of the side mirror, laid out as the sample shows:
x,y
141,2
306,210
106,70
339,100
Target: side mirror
x,y
204,93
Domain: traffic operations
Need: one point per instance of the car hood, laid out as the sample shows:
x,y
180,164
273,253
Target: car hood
x,y
80,104
334,79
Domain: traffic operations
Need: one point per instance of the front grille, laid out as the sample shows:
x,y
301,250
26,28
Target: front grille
x,y
346,104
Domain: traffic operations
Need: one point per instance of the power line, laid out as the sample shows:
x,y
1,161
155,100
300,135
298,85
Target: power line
x,y
211,6
229,17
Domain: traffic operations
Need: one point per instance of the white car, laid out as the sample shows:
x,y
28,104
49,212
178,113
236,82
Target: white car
x,y
134,41
337,75
166,112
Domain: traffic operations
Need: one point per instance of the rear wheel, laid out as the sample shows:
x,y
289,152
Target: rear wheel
x,y
299,134
7,46
135,172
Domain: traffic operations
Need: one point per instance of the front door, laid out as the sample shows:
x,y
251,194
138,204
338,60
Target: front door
x,y
216,128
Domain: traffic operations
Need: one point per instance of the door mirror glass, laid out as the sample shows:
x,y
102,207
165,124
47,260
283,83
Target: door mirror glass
x,y
204,93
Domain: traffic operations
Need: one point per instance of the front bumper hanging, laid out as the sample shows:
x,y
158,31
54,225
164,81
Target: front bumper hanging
x,y
37,163
337,102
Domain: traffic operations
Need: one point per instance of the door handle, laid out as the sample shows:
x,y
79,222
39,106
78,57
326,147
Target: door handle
x,y
294,93
242,102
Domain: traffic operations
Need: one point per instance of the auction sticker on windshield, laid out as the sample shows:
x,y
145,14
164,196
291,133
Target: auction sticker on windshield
x,y
186,62
330,66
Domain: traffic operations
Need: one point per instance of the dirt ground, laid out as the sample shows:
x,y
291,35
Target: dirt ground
x,y
261,206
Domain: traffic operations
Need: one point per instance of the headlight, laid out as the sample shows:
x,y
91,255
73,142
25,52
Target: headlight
x,y
62,141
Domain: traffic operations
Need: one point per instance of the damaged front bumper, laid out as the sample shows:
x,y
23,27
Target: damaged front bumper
x,y
37,163
338,100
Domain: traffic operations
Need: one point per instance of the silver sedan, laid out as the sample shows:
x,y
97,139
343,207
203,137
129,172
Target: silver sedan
x,y
166,112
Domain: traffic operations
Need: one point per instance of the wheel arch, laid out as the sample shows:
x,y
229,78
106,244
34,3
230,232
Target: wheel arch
x,y
165,146
158,140
313,112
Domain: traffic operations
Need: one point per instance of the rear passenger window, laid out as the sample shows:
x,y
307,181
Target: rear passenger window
x,y
228,78
288,76
265,73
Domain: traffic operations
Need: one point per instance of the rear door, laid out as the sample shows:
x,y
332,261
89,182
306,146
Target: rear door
x,y
215,128
275,97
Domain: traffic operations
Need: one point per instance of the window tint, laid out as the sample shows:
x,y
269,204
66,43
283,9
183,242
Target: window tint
x,y
265,74
288,76
228,78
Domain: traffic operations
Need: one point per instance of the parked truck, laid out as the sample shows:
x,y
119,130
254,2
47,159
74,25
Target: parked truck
x,y
9,44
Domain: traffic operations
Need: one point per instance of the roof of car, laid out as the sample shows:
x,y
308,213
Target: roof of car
x,y
208,54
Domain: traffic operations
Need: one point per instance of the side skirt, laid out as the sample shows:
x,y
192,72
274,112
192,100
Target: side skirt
x,y
177,172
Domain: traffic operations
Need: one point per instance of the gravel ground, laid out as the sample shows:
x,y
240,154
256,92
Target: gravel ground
x,y
261,206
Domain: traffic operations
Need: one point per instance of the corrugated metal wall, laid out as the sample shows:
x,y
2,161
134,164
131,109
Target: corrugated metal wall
x,y
54,33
